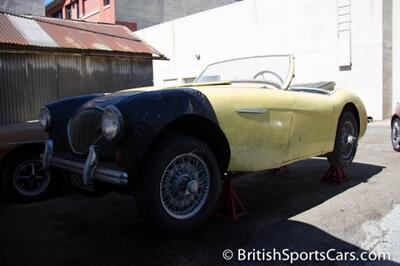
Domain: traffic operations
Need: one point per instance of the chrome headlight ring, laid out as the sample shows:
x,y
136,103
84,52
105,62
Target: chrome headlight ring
x,y
45,118
112,123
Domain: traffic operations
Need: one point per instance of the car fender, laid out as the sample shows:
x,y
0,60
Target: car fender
x,y
342,97
147,114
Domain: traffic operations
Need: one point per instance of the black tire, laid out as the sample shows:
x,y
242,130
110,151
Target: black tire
x,y
345,149
98,190
396,134
151,194
16,184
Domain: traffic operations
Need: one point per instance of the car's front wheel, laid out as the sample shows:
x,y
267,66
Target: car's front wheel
x,y
396,134
346,141
181,184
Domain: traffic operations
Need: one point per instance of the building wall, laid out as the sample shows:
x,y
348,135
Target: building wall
x,y
90,10
387,58
28,81
307,29
96,11
396,52
33,7
147,13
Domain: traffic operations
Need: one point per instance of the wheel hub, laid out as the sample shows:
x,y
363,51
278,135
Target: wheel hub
x,y
351,139
348,139
30,179
193,187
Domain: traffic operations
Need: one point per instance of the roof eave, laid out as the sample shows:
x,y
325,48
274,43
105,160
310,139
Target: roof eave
x,y
9,47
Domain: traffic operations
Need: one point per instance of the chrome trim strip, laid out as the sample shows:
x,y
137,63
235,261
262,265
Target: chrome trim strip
x,y
251,110
68,130
89,166
105,174
48,153
21,143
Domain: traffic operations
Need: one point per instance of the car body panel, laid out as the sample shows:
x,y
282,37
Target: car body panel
x,y
257,140
15,135
312,130
397,111
265,127
145,117
295,126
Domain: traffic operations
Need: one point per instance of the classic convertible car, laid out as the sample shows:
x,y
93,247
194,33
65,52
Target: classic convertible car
x,y
172,145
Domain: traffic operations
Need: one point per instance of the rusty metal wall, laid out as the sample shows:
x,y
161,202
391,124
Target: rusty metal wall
x,y
28,81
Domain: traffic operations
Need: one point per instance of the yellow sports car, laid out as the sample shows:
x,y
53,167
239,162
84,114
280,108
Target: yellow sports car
x,y
172,145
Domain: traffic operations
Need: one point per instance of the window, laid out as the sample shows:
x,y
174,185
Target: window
x,y
83,7
189,80
77,9
106,2
344,34
68,12
58,14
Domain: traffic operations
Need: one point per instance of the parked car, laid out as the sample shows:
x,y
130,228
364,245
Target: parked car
x,y
22,175
172,145
396,128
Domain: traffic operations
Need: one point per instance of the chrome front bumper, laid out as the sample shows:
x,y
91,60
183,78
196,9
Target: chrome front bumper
x,y
90,169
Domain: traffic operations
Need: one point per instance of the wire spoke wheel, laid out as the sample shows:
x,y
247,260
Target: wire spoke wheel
x,y
184,186
30,179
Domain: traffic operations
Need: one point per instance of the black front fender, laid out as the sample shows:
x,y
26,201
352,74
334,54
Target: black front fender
x,y
148,113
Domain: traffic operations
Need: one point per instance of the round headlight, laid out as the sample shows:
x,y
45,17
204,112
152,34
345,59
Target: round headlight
x,y
45,118
112,123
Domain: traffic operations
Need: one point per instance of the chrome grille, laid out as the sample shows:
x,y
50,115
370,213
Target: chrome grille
x,y
84,129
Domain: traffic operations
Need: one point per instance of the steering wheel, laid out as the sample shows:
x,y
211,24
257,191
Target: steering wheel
x,y
261,74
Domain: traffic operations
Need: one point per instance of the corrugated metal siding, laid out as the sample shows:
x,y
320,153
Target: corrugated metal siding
x,y
28,81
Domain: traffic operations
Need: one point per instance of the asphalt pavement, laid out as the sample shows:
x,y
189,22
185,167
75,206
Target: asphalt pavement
x,y
292,210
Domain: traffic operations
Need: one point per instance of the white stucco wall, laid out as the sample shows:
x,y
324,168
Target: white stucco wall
x,y
396,53
306,28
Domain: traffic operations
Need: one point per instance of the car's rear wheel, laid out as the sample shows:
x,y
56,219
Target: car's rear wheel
x,y
24,178
346,141
396,134
181,184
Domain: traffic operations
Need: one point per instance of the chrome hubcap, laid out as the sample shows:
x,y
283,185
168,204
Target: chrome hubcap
x,y
184,186
348,139
396,134
30,179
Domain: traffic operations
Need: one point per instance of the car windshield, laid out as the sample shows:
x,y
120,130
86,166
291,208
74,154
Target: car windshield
x,y
274,70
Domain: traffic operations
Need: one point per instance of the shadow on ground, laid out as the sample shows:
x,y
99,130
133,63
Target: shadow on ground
x,y
73,230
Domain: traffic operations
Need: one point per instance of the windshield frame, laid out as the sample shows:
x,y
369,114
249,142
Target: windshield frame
x,y
285,84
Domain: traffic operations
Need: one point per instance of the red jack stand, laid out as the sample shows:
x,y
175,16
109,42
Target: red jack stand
x,y
335,174
229,205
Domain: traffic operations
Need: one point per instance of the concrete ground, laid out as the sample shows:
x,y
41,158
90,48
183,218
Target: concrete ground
x,y
292,210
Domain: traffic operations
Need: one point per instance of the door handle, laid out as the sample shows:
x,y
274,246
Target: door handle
x,y
251,110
